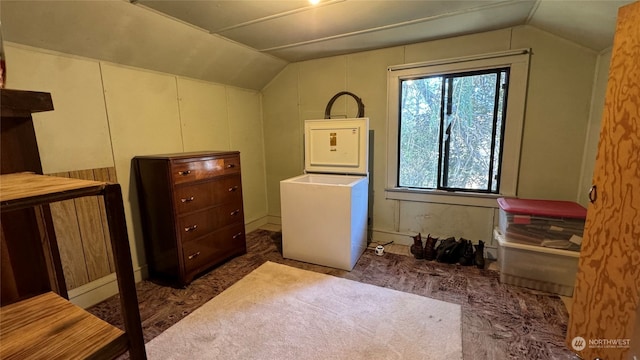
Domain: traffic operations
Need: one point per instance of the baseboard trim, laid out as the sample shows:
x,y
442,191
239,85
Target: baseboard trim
x,y
385,236
272,219
99,290
256,224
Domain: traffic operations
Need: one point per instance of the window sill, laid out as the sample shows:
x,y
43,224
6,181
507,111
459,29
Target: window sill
x,y
443,197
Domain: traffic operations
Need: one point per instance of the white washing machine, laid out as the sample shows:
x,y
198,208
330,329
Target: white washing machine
x,y
324,211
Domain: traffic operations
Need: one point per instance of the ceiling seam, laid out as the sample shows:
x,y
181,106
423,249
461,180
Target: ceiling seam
x,y
391,26
276,16
157,12
534,8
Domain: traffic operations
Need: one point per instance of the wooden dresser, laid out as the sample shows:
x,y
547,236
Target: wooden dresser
x,y
191,210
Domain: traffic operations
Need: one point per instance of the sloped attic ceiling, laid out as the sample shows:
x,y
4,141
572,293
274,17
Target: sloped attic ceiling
x,y
296,30
247,42
123,33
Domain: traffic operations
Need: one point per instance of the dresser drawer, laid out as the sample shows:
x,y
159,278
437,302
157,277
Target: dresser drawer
x,y
200,254
202,222
183,172
216,192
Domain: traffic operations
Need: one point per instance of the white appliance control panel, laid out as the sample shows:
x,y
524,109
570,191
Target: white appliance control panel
x,y
339,146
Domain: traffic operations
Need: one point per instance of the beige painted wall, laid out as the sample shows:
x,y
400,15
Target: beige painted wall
x,y
555,125
245,135
76,135
283,128
593,128
557,115
203,115
105,114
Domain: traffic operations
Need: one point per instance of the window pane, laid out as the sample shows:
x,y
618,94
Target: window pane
x,y
450,134
420,104
469,131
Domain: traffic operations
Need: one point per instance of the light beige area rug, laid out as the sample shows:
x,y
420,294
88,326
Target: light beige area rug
x,y
280,312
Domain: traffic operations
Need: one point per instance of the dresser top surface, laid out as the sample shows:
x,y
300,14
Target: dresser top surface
x,y
187,155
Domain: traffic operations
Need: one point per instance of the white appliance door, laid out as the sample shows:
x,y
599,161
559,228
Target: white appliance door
x,y
337,146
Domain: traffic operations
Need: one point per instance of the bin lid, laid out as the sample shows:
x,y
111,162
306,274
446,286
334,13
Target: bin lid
x,y
337,146
550,208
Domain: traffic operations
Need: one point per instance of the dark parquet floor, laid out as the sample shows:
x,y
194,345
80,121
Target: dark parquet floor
x,y
498,321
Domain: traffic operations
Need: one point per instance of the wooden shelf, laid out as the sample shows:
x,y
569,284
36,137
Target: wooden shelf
x,y
27,189
22,103
47,326
28,235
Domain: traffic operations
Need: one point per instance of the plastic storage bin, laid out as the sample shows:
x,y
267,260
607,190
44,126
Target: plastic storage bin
x,y
542,222
536,267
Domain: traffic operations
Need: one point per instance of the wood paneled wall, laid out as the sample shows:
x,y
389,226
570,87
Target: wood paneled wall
x,y
82,232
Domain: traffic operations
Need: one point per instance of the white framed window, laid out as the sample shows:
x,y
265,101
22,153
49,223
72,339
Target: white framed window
x,y
455,128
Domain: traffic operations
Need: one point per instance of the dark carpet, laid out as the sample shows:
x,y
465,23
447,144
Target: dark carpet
x,y
498,321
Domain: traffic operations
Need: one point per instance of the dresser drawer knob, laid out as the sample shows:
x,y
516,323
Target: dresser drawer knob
x,y
236,235
235,212
190,228
231,166
184,173
186,200
193,256
233,188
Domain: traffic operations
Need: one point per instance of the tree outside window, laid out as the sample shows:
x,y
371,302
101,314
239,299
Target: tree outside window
x,y
451,130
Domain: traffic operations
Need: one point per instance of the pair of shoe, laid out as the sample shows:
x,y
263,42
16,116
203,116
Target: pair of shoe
x,y
428,252
470,256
